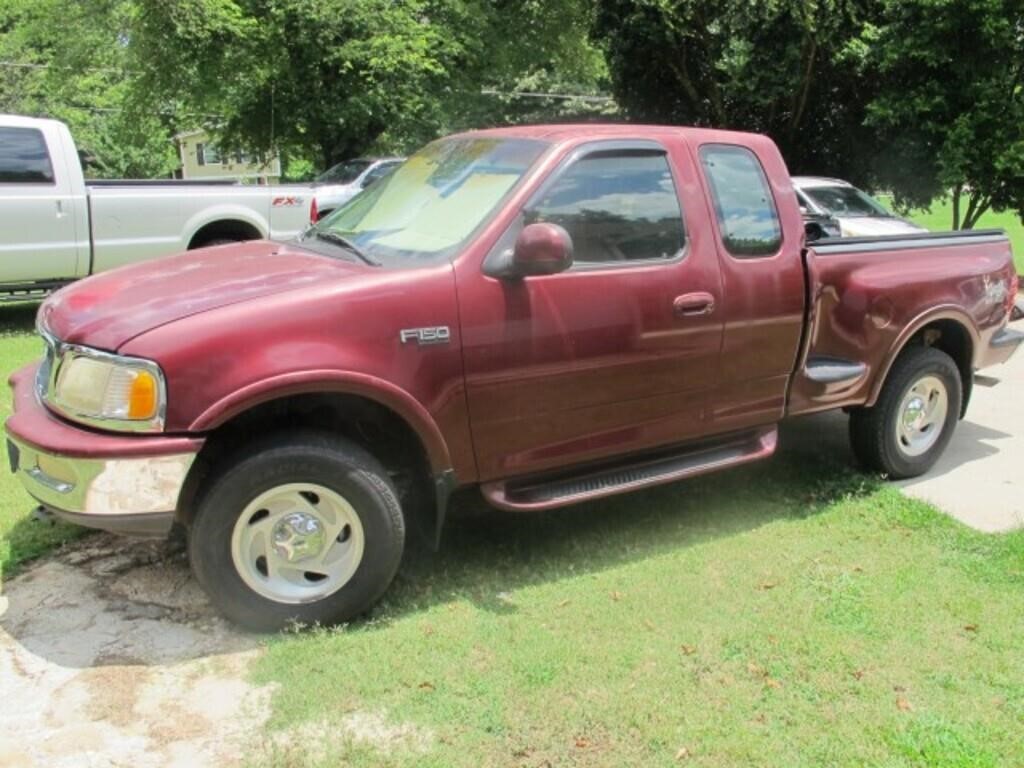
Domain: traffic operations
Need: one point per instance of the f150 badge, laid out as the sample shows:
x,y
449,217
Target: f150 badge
x,y
438,335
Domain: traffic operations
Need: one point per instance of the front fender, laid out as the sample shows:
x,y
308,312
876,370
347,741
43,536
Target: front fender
x,y
339,382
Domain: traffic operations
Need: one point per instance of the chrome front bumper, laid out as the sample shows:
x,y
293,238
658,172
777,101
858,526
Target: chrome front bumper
x,y
124,483
129,495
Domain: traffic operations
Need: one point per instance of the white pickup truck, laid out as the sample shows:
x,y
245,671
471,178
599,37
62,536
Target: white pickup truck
x,y
55,227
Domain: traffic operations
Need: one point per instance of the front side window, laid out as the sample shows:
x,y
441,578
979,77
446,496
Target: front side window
x,y
743,202
617,206
434,201
23,157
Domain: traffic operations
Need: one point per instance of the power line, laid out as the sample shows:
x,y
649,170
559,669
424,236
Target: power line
x,y
32,65
541,95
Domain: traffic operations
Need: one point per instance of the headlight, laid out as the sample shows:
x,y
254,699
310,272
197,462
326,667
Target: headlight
x,y
102,389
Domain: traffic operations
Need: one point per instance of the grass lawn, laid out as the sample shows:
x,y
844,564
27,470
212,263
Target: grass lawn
x,y
793,613
21,538
940,218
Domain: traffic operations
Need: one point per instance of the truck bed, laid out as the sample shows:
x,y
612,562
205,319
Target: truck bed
x,y
868,296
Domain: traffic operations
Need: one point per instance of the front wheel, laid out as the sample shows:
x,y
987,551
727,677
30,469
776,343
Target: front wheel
x,y
303,528
907,430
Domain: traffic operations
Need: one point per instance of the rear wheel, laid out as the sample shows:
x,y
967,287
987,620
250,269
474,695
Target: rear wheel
x,y
305,528
907,430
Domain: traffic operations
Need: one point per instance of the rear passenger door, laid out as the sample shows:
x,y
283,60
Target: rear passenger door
x,y
43,229
763,282
602,359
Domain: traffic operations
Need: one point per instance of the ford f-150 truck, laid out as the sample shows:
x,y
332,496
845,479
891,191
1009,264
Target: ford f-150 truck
x,y
55,227
551,314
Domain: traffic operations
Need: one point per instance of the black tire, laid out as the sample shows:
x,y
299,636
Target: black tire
x,y
873,431
298,457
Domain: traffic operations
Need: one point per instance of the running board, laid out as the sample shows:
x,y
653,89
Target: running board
x,y
551,491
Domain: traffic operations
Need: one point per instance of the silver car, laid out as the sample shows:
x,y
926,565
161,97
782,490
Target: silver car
x,y
341,182
857,213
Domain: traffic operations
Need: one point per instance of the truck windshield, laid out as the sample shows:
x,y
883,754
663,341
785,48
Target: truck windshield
x,y
847,202
433,202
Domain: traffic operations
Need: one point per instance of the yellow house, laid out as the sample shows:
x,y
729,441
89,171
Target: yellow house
x,y
202,159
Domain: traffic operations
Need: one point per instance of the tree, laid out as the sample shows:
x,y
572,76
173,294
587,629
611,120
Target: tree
x,y
792,69
950,112
67,61
336,78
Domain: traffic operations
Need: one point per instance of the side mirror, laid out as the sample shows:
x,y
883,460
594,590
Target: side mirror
x,y
540,249
813,231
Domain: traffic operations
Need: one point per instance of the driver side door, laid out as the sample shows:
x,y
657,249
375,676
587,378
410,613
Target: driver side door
x,y
598,360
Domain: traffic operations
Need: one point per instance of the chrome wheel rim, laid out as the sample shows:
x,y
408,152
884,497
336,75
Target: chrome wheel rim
x,y
922,416
297,543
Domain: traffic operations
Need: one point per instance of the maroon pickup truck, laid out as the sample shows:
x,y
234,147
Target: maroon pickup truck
x,y
549,313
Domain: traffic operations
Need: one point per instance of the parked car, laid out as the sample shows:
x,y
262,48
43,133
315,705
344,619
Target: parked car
x,y
550,314
55,227
856,213
341,182
818,226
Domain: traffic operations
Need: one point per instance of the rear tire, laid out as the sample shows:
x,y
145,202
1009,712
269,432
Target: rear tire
x,y
908,429
301,528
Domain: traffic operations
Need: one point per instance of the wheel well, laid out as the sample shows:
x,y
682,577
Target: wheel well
x,y
953,339
378,429
225,229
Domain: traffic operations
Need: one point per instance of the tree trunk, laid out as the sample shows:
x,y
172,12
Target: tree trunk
x,y
976,209
957,191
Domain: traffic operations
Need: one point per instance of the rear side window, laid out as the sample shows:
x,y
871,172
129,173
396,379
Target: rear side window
x,y
23,157
617,206
743,202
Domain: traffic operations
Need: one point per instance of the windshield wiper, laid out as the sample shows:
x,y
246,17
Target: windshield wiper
x,y
348,245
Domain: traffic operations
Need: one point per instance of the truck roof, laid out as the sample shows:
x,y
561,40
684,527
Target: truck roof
x,y
557,132
20,121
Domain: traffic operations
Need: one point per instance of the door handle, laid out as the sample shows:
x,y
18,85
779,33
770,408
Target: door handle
x,y
60,209
694,304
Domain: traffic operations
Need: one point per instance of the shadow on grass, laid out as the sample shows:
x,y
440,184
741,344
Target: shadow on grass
x,y
29,539
486,552
18,318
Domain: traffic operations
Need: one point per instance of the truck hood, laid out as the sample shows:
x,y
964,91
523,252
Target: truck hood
x,y
107,310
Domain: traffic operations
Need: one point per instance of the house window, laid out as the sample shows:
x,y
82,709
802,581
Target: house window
x,y
207,154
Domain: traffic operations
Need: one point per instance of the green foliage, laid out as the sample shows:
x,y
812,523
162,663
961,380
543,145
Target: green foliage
x,y
790,68
950,112
67,61
340,77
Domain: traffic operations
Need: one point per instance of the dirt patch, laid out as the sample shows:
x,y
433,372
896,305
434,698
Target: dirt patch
x,y
110,655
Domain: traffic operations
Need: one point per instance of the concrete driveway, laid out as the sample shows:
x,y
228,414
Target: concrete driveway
x,y
980,478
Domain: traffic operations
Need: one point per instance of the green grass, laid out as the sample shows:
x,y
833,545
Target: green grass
x,y
940,218
21,537
792,613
